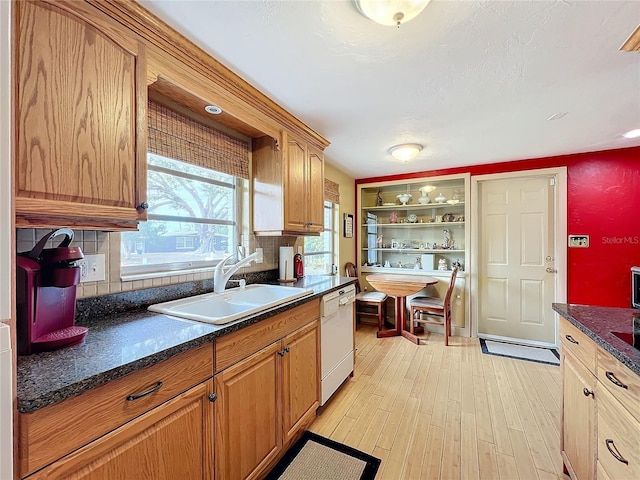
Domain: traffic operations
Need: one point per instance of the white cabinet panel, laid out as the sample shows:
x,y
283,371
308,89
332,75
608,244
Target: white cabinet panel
x,y
5,161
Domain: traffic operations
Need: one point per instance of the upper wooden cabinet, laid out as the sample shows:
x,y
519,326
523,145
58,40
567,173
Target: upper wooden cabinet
x,y
288,187
80,106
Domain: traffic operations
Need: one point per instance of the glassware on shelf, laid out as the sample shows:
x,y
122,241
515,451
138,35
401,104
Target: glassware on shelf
x,y
427,189
440,198
454,198
404,198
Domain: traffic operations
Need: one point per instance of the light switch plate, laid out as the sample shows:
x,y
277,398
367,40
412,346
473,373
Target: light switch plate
x,y
92,268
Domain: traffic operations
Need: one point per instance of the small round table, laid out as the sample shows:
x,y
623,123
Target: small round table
x,y
399,286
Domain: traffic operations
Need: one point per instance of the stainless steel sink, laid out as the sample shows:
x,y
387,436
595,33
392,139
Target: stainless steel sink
x,y
230,305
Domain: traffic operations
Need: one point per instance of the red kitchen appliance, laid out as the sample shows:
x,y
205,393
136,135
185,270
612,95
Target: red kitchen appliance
x,y
298,267
46,280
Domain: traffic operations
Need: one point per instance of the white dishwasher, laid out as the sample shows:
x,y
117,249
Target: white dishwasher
x,y
336,339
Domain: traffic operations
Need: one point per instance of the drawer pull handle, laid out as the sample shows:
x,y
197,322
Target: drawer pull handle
x,y
136,396
587,392
281,353
612,378
571,339
213,397
611,446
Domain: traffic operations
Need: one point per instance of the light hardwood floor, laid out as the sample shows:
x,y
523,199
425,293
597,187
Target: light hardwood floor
x,y
436,412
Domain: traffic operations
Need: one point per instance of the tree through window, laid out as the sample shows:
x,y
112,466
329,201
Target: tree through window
x,y
192,218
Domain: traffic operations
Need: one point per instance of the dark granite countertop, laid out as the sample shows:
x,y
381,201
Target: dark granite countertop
x,y
124,342
599,323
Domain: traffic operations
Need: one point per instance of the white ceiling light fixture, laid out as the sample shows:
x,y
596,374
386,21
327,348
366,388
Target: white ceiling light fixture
x,y
632,133
391,12
405,152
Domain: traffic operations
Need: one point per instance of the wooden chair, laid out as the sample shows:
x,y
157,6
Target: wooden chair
x,y
435,306
368,304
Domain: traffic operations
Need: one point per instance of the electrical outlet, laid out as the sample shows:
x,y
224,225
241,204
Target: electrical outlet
x,y
91,268
300,249
260,258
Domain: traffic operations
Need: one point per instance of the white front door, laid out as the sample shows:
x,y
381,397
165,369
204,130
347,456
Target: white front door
x,y
516,259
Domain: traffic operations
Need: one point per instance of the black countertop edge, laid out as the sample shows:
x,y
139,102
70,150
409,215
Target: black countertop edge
x,y
599,323
41,377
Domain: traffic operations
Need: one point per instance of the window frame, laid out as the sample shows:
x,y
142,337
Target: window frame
x,y
335,231
238,185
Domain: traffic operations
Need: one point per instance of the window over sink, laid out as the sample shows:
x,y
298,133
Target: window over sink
x,y
197,178
192,222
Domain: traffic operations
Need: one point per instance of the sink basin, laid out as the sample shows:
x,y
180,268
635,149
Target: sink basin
x,y
225,307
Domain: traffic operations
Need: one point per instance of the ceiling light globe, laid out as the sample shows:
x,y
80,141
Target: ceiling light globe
x,y
391,12
405,152
632,133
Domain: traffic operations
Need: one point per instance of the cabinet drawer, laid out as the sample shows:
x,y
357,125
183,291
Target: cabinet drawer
x,y
618,434
579,344
238,345
52,432
602,474
621,382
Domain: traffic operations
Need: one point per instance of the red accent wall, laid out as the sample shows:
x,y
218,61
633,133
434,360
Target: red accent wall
x,y
603,201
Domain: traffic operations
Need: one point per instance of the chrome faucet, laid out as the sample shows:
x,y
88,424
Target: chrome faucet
x,y
220,277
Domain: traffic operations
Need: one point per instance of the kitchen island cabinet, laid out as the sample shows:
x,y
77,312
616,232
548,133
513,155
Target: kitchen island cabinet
x,y
578,406
80,111
601,392
288,187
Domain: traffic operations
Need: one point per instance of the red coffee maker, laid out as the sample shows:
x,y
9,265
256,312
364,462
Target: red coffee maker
x,y
46,280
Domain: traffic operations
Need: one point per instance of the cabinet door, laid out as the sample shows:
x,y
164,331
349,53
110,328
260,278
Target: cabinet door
x,y
316,190
80,129
295,191
618,438
171,441
578,411
248,427
301,378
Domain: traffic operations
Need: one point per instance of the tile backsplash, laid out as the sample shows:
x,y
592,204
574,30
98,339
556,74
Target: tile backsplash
x,y
108,243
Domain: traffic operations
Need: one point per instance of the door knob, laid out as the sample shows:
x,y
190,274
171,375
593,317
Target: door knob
x,y
550,270
548,258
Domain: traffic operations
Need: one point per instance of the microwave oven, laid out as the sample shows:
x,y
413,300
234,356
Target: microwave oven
x,y
635,287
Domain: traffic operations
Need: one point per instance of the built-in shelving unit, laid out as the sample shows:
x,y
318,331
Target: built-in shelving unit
x,y
426,235
428,232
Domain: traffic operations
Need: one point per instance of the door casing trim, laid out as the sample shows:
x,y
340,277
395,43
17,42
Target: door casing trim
x,y
560,243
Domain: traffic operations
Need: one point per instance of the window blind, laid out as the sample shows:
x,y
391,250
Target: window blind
x,y
173,135
331,191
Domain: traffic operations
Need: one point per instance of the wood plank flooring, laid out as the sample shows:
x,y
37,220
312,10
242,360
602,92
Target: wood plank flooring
x,y
436,412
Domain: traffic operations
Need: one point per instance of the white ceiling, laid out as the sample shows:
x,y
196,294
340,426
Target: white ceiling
x,y
474,82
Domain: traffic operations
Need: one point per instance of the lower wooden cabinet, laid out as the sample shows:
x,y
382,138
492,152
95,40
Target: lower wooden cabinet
x,y
301,379
263,402
172,441
618,438
578,413
600,423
